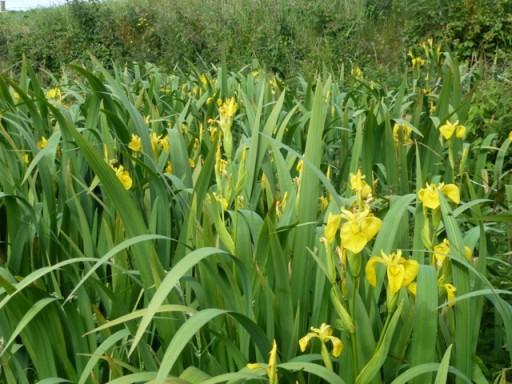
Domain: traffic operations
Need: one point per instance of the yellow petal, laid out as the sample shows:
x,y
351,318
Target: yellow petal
x,y
54,93
155,139
304,341
450,293
441,251
272,364
357,181
402,133
324,202
42,143
333,223
370,272
169,167
337,346
370,226
411,268
510,135
164,143
396,133
396,274
460,132
352,240
135,143
124,177
468,253
365,192
300,166
452,192
254,365
412,288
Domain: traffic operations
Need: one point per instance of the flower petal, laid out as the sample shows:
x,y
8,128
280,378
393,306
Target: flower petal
x,y
412,288
304,341
450,293
452,192
337,346
411,268
370,226
333,223
396,274
468,253
441,251
370,272
353,241
460,131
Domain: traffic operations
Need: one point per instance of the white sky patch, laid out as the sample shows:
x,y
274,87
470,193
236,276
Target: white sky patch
x,y
22,5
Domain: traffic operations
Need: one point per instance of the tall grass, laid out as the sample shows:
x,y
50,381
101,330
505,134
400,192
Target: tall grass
x,y
185,228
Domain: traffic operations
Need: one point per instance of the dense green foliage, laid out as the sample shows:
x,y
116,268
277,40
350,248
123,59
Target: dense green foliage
x,y
170,226
285,36
243,191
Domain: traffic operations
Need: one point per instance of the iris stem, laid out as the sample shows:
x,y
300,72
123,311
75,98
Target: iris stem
x,y
353,336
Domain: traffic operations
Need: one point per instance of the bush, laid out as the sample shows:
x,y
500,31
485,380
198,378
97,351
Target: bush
x,y
284,36
469,26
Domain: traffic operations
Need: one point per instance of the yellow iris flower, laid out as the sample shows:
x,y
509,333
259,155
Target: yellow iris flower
x,y
442,250
228,109
203,78
271,367
54,93
324,334
155,141
124,177
135,143
417,62
223,202
448,129
358,229
510,135
450,293
359,185
402,134
357,72
401,272
429,195
42,143
449,288
222,166
164,143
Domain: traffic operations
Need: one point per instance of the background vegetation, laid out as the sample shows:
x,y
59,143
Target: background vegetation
x,y
283,36
286,36
186,207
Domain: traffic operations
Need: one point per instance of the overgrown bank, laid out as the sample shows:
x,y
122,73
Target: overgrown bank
x,y
285,36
